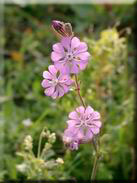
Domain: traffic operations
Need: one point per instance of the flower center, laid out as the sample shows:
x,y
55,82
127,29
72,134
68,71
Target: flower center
x,y
83,121
69,56
54,82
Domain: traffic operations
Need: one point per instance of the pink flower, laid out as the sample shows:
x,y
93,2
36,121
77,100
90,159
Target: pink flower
x,y
82,126
70,55
55,84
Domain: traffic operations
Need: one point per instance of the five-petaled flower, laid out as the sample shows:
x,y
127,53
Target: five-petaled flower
x,y
83,124
55,84
70,55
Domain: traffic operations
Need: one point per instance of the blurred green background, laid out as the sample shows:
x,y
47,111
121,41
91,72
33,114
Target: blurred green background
x,y
106,84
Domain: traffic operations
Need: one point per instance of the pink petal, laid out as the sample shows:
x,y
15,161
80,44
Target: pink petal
x,y
56,56
47,75
71,123
52,70
55,95
67,137
81,48
49,91
82,64
96,115
58,65
63,78
88,135
83,56
58,48
45,83
97,123
65,69
75,42
89,110
94,130
80,134
73,115
74,68
61,91
80,109
69,82
65,88
66,42
71,133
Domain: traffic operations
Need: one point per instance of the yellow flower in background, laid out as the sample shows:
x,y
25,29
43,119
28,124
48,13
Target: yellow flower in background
x,y
109,47
17,56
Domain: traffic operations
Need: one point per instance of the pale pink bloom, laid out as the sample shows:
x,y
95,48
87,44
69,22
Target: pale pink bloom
x,y
82,126
55,84
70,55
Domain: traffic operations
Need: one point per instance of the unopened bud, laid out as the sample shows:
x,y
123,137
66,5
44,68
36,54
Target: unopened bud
x,y
47,146
52,138
21,167
28,142
60,161
43,134
62,29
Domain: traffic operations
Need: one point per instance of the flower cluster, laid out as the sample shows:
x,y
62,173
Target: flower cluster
x,y
70,56
83,124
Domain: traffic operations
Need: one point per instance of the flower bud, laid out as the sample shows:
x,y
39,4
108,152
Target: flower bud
x,y
21,167
27,122
28,142
52,138
43,134
59,161
47,146
62,29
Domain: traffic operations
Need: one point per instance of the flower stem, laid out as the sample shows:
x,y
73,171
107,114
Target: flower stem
x,y
39,145
78,91
95,164
94,170
40,141
93,175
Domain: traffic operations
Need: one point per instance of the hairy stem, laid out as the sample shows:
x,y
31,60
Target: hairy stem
x,y
94,170
95,164
78,91
93,175
40,141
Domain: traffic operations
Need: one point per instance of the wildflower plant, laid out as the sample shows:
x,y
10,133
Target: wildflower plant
x,y
43,165
70,56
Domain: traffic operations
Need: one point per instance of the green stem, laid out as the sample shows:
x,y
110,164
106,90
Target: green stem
x,y
39,144
93,175
95,164
94,170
